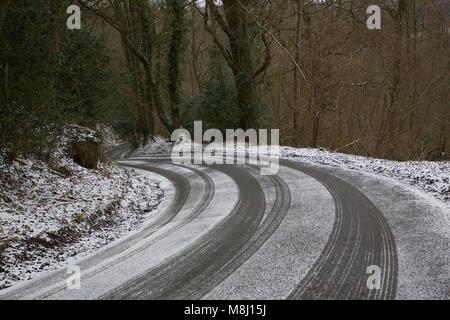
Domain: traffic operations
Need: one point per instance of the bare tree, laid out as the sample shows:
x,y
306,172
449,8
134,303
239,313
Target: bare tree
x,y
238,53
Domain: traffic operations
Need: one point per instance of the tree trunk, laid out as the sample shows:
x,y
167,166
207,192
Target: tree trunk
x,y
296,81
315,131
176,13
394,93
242,64
4,5
56,26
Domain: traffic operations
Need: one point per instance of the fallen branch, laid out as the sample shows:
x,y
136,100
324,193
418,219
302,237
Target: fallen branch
x,y
348,145
57,173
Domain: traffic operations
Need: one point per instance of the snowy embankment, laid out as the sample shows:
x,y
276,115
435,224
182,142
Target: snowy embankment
x,y
49,214
432,178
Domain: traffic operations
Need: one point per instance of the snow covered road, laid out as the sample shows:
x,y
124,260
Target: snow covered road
x,y
310,232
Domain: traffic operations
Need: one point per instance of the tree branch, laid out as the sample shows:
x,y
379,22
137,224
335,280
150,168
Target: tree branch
x,y
274,38
267,59
225,53
219,18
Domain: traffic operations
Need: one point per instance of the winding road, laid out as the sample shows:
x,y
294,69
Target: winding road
x,y
227,232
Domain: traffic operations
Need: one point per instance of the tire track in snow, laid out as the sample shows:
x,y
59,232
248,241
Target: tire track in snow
x,y
360,238
151,254
271,221
274,270
176,278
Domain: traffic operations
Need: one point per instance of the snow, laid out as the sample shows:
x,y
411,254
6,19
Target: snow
x,y
432,178
159,146
49,214
426,176
109,137
79,134
59,213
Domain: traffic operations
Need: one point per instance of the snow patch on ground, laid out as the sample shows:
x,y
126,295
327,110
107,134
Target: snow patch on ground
x,y
159,146
49,214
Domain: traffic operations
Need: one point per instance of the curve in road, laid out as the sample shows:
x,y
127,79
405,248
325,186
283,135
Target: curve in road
x,y
359,237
